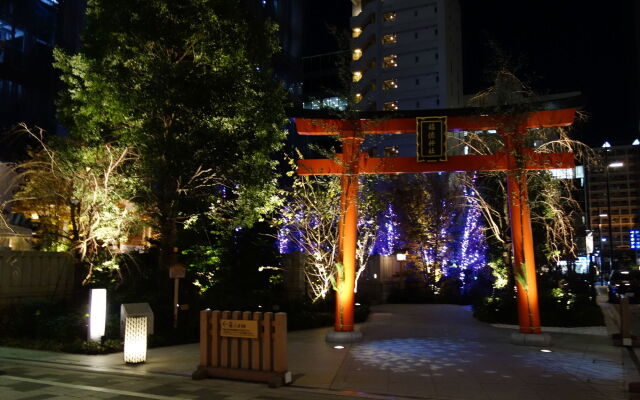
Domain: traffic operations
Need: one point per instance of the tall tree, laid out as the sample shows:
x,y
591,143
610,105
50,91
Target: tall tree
x,y
189,85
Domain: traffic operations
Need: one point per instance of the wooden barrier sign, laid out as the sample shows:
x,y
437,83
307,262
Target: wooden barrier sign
x,y
239,329
246,346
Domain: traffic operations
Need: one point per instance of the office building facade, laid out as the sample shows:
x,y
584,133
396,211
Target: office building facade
x,y
613,201
406,54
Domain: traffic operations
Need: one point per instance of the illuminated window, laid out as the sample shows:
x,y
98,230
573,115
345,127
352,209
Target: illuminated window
x,y
357,75
390,38
357,54
358,98
390,84
390,16
356,32
390,61
391,151
390,106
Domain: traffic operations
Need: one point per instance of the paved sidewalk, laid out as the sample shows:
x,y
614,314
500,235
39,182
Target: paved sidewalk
x,y
413,351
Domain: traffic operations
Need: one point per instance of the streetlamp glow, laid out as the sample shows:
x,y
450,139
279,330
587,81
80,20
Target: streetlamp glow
x,y
616,164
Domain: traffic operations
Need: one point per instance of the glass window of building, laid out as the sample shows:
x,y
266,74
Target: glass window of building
x,y
390,38
390,61
390,84
391,151
390,106
390,16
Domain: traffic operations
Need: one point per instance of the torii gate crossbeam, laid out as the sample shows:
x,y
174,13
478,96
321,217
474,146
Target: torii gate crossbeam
x,y
514,159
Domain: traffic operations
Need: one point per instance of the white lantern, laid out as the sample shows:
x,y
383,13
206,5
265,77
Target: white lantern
x,y
135,340
97,314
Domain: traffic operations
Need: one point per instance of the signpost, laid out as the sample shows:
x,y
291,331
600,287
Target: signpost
x,y
176,272
514,159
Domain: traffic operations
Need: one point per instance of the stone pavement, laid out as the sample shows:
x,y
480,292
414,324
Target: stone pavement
x,y
408,351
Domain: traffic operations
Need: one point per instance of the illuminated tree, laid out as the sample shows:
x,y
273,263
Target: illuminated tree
x,y
189,85
308,222
471,249
427,205
389,233
82,198
371,210
553,207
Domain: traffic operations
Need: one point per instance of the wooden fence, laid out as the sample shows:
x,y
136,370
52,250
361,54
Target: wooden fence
x,y
28,275
244,346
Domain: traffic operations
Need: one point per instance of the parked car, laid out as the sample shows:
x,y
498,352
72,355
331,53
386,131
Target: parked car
x,y
624,282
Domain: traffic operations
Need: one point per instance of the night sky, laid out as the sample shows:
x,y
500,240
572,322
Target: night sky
x,y
554,46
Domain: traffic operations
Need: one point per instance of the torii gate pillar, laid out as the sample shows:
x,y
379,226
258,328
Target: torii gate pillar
x,y
347,232
524,267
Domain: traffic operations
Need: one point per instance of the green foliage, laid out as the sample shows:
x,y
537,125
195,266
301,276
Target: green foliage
x,y
204,261
564,301
189,84
500,273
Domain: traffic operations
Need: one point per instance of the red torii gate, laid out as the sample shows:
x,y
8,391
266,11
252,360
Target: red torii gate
x,y
515,158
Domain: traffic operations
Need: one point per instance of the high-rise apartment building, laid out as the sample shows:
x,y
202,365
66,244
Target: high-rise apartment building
x,y
407,54
613,201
